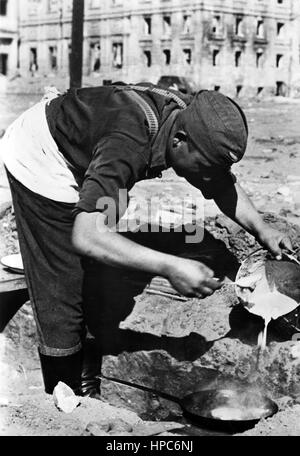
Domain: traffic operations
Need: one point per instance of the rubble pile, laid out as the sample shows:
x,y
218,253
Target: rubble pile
x,y
8,232
177,345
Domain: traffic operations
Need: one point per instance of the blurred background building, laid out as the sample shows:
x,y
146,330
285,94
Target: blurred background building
x,y
9,20
242,47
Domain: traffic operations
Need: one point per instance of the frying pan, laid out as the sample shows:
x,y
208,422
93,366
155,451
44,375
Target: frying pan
x,y
201,406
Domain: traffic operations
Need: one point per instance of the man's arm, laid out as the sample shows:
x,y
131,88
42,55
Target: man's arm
x,y
235,203
92,238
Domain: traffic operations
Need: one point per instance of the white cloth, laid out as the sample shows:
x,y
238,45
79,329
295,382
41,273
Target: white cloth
x,y
31,155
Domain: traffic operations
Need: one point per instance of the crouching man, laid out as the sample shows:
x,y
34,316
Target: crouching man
x,y
64,155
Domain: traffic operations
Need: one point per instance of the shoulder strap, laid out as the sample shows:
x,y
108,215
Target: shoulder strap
x,y
148,111
146,108
163,92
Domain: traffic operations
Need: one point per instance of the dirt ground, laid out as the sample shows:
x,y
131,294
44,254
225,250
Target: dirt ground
x,y
184,339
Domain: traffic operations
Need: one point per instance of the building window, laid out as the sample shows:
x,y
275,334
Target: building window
x,y
279,58
280,29
238,26
216,57
148,56
3,9
238,90
69,54
280,89
3,64
118,55
187,54
5,41
187,24
260,28
69,4
147,26
33,7
95,3
237,58
53,57
167,54
259,55
259,90
95,50
167,25
33,63
53,6
216,25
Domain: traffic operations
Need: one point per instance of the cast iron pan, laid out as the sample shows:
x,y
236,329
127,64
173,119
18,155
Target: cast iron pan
x,y
201,407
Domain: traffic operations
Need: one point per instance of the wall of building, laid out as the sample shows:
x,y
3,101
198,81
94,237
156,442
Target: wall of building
x,y
241,46
8,37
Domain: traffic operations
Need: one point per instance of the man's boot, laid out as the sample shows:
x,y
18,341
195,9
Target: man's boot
x,y
66,369
91,368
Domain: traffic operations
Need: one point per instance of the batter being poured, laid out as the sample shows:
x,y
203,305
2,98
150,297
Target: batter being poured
x,y
270,291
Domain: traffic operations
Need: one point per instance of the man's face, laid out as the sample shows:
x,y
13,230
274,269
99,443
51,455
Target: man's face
x,y
186,161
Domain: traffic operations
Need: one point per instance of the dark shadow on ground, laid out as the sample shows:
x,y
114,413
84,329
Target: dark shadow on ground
x,y
10,303
109,295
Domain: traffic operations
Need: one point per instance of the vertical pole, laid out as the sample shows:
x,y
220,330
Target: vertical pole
x,y
18,38
77,44
60,51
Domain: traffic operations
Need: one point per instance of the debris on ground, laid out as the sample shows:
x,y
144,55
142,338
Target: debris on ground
x,y
37,416
64,398
285,423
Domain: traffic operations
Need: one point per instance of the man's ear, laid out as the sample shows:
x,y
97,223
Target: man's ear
x,y
179,137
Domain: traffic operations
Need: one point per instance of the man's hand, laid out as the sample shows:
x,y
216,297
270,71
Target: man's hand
x,y
92,238
192,278
274,240
236,204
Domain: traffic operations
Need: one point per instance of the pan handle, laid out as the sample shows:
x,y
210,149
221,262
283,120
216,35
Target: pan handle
x,y
167,396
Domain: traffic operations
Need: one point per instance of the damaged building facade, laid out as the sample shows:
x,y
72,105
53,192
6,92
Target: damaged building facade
x,y
242,47
8,37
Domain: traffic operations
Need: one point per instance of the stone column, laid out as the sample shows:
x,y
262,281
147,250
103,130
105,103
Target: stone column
x,y
294,65
24,58
13,57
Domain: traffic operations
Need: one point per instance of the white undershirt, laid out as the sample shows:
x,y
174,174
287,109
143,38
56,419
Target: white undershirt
x,y
31,155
